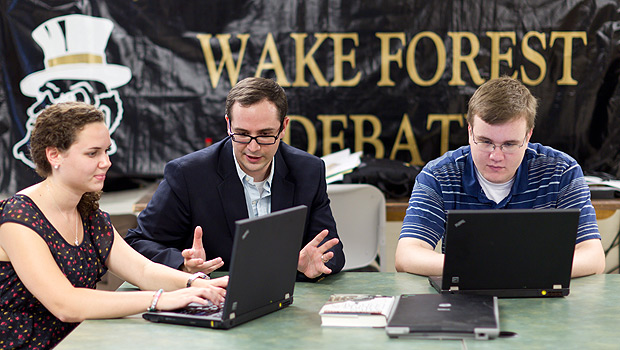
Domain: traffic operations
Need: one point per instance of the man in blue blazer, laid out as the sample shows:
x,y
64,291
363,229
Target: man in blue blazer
x,y
249,173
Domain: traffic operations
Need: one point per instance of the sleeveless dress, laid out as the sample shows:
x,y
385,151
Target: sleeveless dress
x,y
24,322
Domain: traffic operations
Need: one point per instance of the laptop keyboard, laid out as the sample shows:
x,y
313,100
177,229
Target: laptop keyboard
x,y
203,310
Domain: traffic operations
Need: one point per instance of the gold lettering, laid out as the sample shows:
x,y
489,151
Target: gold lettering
x,y
445,120
441,59
340,58
387,57
458,58
373,139
534,57
310,132
227,58
568,37
328,138
411,145
497,56
276,64
307,60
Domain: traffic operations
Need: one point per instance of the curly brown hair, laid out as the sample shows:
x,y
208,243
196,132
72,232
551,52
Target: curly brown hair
x,y
58,126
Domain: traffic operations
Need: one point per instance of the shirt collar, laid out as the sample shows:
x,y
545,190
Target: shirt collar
x,y
471,182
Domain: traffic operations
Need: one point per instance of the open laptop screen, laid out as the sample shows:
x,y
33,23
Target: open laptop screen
x,y
262,272
522,252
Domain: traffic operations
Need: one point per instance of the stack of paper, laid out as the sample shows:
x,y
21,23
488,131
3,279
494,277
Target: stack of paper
x,y
339,163
597,181
356,310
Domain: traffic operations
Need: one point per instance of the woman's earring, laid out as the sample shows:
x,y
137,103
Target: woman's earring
x,y
56,166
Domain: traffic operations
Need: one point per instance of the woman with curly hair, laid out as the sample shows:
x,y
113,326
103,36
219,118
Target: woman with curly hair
x,y
55,242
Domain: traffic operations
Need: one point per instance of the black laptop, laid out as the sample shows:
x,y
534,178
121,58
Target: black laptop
x,y
262,272
444,316
509,253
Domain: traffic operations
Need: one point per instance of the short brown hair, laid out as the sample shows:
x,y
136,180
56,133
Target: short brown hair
x,y
250,91
501,100
58,126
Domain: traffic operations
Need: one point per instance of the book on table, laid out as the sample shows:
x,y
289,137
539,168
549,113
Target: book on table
x,y
356,310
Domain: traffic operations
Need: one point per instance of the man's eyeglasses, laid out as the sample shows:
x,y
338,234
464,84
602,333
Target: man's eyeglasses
x,y
261,139
488,146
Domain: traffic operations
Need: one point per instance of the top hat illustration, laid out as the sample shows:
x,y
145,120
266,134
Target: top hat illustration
x,y
74,49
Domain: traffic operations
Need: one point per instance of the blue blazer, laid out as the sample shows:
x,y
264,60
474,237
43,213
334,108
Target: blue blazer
x,y
203,189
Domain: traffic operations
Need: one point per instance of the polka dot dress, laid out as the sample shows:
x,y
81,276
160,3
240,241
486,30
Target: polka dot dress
x,y
24,322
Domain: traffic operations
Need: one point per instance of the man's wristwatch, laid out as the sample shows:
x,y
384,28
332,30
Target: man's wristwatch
x,y
193,277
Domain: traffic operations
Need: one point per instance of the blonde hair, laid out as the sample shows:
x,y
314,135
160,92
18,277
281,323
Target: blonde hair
x,y
501,100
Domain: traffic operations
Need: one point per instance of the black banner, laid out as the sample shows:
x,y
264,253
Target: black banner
x,y
391,78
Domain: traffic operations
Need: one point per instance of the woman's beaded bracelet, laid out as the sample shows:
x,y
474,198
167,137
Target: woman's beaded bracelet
x,y
156,296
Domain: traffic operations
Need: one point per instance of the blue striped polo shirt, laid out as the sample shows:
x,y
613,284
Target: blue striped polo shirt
x,y
546,178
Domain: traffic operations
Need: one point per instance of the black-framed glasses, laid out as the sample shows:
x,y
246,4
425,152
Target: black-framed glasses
x,y
261,139
488,146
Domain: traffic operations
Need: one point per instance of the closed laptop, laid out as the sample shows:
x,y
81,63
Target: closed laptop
x,y
444,316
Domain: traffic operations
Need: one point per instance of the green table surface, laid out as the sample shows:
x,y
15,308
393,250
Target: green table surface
x,y
589,318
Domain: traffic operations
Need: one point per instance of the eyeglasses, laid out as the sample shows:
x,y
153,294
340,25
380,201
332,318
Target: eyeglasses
x,y
487,146
261,139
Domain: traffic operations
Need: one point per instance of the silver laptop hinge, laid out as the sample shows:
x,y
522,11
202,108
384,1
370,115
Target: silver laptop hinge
x,y
454,288
557,286
287,295
232,316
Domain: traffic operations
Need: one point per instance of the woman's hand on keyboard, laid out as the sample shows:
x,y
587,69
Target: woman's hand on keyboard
x,y
177,299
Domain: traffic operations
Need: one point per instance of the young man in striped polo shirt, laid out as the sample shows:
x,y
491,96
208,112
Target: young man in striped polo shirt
x,y
499,169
